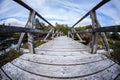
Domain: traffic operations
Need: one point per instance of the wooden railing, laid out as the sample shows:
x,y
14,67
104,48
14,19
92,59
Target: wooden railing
x,y
30,28
96,28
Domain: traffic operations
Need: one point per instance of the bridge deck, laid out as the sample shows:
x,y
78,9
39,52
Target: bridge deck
x,y
61,59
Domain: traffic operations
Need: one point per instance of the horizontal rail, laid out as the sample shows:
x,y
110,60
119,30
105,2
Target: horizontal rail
x,y
95,8
29,8
115,28
14,29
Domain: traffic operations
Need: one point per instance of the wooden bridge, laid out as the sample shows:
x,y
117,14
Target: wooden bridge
x,y
62,58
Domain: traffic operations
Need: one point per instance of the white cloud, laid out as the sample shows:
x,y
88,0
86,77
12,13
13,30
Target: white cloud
x,y
111,11
13,22
65,11
62,11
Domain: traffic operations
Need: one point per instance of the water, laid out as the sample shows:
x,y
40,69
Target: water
x,y
13,46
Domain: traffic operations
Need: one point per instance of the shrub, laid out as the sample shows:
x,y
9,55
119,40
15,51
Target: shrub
x,y
9,56
36,44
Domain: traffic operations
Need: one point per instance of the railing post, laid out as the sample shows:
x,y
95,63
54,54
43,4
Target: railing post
x,y
95,24
68,34
56,33
72,34
53,34
31,24
95,34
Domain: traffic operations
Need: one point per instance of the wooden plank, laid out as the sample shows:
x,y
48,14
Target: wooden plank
x,y
62,65
61,53
3,76
17,74
63,60
62,71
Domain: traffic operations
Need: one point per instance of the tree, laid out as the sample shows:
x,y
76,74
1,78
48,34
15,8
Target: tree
x,y
115,36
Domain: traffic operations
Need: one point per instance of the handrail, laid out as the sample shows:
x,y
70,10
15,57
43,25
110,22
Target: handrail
x,y
95,8
29,8
16,29
114,28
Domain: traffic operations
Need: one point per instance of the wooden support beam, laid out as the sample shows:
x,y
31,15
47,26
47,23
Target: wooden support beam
x,y
31,24
77,35
51,30
95,34
97,25
68,34
53,34
20,41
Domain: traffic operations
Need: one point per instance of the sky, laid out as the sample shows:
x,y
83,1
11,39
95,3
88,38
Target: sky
x,y
60,11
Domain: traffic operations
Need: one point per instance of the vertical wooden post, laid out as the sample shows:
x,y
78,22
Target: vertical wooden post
x,y
31,23
95,34
53,34
96,24
72,34
57,33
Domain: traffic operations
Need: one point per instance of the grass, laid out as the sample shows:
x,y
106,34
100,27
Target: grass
x,y
9,56
116,48
37,43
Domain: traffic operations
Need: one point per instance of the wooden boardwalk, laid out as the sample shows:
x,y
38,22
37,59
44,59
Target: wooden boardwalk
x,y
61,59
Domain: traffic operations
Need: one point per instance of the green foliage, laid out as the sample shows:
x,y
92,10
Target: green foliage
x,y
115,36
115,45
80,28
9,56
25,45
63,28
36,44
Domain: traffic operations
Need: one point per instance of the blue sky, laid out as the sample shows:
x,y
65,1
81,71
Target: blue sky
x,y
60,11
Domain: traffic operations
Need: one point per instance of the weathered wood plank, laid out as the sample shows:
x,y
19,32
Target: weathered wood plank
x,y
79,65
62,60
62,71
17,74
3,76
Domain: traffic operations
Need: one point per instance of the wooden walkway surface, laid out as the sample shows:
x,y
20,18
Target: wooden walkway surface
x,y
61,59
